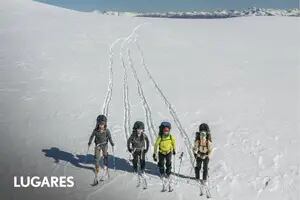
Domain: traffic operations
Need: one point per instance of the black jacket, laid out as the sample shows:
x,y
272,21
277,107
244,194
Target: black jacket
x,y
137,143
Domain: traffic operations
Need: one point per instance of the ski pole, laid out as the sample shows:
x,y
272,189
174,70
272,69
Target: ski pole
x,y
180,158
208,185
174,164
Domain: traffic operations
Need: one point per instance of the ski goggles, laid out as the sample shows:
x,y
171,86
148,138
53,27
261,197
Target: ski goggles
x,y
203,134
140,131
165,124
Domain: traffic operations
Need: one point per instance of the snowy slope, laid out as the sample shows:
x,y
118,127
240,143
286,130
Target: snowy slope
x,y
61,68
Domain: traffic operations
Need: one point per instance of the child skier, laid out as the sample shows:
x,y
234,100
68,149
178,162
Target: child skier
x,y
166,146
202,151
138,145
102,136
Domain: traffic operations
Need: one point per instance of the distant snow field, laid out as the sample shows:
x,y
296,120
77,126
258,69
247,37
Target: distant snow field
x,y
60,68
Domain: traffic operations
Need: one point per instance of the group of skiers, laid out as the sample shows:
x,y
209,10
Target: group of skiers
x,y
164,147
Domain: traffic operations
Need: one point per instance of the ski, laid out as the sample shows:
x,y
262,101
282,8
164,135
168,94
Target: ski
x,y
208,195
201,189
204,187
145,183
164,183
142,179
138,180
170,184
101,178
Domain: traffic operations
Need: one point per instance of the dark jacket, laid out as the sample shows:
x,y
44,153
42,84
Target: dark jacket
x,y
101,138
135,142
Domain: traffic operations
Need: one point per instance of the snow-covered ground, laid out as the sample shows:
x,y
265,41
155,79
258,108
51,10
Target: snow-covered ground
x,y
60,68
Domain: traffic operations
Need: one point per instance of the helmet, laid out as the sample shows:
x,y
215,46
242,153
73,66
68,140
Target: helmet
x,y
101,118
165,125
138,125
204,127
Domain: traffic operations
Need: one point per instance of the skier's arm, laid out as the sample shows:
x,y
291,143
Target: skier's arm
x,y
109,138
210,149
174,143
156,144
129,143
195,148
91,137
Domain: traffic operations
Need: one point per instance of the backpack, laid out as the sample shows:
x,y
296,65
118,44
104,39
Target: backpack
x,y
198,140
208,137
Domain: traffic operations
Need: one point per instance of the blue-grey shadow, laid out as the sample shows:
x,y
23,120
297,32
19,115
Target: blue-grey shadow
x,y
85,161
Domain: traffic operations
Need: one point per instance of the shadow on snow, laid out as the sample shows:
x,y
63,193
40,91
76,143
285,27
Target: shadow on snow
x,y
85,161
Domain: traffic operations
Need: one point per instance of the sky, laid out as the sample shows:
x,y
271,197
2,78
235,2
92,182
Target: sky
x,y
168,5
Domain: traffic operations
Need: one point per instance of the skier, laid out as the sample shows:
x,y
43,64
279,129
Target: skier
x,y
138,145
202,151
166,145
102,136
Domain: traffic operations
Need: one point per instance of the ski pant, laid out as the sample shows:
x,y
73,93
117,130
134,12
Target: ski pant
x,y
98,150
199,161
165,160
138,156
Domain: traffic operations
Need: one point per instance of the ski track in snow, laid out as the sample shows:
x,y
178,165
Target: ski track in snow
x,y
125,95
108,97
128,63
147,110
127,112
168,104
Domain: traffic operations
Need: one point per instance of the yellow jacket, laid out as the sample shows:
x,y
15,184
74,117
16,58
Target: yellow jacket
x,y
166,144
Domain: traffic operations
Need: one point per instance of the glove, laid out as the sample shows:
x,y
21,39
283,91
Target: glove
x,y
174,152
145,151
89,144
130,150
195,155
154,157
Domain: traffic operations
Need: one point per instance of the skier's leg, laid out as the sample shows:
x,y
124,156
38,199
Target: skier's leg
x,y
135,161
142,162
161,164
169,170
97,159
199,165
105,155
205,168
197,173
197,169
138,168
105,159
142,169
169,164
97,166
